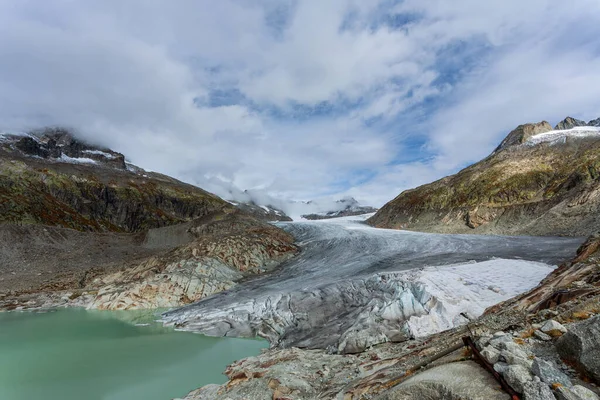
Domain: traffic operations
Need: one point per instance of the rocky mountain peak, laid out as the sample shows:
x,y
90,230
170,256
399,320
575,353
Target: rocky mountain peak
x,y
569,123
523,132
594,122
61,144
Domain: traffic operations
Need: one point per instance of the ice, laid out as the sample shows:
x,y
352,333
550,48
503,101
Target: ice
x,y
351,280
557,136
73,160
471,288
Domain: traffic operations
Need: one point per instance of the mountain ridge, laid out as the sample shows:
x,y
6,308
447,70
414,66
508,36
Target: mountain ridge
x,y
538,181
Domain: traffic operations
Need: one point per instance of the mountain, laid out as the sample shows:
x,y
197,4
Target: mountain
x,y
49,177
539,181
341,208
264,213
81,226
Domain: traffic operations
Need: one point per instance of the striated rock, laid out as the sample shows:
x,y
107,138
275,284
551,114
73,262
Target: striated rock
x,y
548,373
594,122
553,328
480,216
581,346
569,123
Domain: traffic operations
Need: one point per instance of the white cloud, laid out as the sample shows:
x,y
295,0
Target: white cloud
x,y
137,76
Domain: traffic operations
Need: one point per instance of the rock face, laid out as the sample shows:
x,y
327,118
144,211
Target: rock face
x,y
97,195
527,186
523,132
54,143
225,249
203,257
581,345
569,123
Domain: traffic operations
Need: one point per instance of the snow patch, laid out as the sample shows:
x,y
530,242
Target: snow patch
x,y
72,160
561,135
100,153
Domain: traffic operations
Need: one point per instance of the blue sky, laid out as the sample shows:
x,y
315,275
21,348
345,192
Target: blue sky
x,y
296,99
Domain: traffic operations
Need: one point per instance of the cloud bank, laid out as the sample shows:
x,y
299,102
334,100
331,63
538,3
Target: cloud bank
x,y
298,99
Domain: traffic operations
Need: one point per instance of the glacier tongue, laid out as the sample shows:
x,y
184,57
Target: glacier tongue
x,y
354,286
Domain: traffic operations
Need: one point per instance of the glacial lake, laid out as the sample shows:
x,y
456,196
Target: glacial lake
x,y
104,355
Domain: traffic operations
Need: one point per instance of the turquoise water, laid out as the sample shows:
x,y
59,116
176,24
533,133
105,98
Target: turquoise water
x,y
102,355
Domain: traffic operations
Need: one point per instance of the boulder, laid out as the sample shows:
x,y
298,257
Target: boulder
x,y
575,393
581,346
491,354
553,328
517,376
548,373
537,390
461,380
542,336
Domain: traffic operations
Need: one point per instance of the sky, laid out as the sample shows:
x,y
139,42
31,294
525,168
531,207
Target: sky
x,y
298,99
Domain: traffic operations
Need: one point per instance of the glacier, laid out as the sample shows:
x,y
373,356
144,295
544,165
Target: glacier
x,y
353,286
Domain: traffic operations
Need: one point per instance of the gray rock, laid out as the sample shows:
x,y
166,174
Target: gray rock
x,y
594,122
548,373
542,336
464,381
517,377
581,346
537,390
498,343
483,341
500,367
575,393
513,354
553,328
491,354
569,123
523,132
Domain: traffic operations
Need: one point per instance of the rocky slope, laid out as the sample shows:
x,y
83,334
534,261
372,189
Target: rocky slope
x,y
49,177
80,227
539,181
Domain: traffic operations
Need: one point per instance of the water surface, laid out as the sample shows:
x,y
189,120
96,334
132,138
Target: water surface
x,y
99,355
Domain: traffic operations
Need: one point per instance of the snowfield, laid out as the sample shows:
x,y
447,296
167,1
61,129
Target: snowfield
x,y
558,136
471,288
